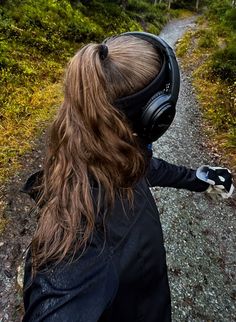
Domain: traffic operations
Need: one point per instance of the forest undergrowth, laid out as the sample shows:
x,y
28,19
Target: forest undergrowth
x,y
209,53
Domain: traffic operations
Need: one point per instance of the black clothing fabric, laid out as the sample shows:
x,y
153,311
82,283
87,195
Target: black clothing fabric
x,y
121,277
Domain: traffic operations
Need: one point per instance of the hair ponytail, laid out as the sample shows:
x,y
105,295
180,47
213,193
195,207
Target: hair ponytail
x,y
91,143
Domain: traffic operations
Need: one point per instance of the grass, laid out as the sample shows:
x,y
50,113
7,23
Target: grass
x,y
184,43
19,126
216,95
30,92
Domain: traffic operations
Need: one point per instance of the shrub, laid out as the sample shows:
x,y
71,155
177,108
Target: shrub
x,y
117,20
223,62
183,44
230,18
207,39
138,6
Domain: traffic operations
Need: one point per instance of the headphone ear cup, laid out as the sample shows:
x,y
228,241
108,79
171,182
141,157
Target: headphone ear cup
x,y
154,97
157,116
151,108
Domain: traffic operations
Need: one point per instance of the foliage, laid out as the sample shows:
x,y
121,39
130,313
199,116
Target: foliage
x,y
181,13
210,51
223,63
207,38
137,15
183,44
187,4
117,20
223,19
218,9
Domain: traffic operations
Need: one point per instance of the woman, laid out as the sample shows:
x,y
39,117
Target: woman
x,y
98,253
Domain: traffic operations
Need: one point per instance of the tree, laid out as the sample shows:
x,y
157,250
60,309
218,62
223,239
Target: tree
x,y
123,3
197,5
75,2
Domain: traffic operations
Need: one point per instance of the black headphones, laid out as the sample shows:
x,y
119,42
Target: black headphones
x,y
152,109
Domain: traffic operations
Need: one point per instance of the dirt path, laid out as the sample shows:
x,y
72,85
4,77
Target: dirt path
x,y
17,234
199,233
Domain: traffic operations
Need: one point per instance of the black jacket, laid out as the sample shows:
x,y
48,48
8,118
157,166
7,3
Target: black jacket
x,y
121,279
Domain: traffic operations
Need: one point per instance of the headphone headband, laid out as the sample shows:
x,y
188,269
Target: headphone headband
x,y
133,104
170,66
151,110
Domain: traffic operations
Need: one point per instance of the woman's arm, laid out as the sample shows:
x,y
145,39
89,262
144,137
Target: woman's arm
x,y
164,174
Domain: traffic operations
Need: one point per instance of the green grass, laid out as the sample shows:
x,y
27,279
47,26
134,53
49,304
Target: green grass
x,y
183,44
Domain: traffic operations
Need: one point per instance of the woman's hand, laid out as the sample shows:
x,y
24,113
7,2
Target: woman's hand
x,y
219,179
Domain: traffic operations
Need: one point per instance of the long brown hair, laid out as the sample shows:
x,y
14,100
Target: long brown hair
x,y
90,141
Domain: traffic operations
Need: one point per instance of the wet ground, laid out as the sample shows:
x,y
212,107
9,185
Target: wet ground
x,y
200,233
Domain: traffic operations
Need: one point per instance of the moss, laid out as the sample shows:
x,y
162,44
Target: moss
x,y
24,118
183,44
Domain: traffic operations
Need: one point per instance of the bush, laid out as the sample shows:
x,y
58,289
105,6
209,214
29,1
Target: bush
x,y
223,63
207,39
218,8
138,6
222,12
183,44
230,18
116,18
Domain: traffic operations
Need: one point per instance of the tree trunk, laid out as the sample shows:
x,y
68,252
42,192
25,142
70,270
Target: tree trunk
x,y
124,3
197,5
169,4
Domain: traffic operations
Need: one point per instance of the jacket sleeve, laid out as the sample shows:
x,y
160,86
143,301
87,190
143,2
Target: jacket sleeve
x,y
163,174
79,291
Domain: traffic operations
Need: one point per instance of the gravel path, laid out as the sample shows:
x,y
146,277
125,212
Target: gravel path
x,y
199,233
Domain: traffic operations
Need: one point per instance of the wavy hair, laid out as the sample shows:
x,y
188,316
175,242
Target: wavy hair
x,y
90,142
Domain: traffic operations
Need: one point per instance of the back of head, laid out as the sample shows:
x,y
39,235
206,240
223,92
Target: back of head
x,y
131,63
91,142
